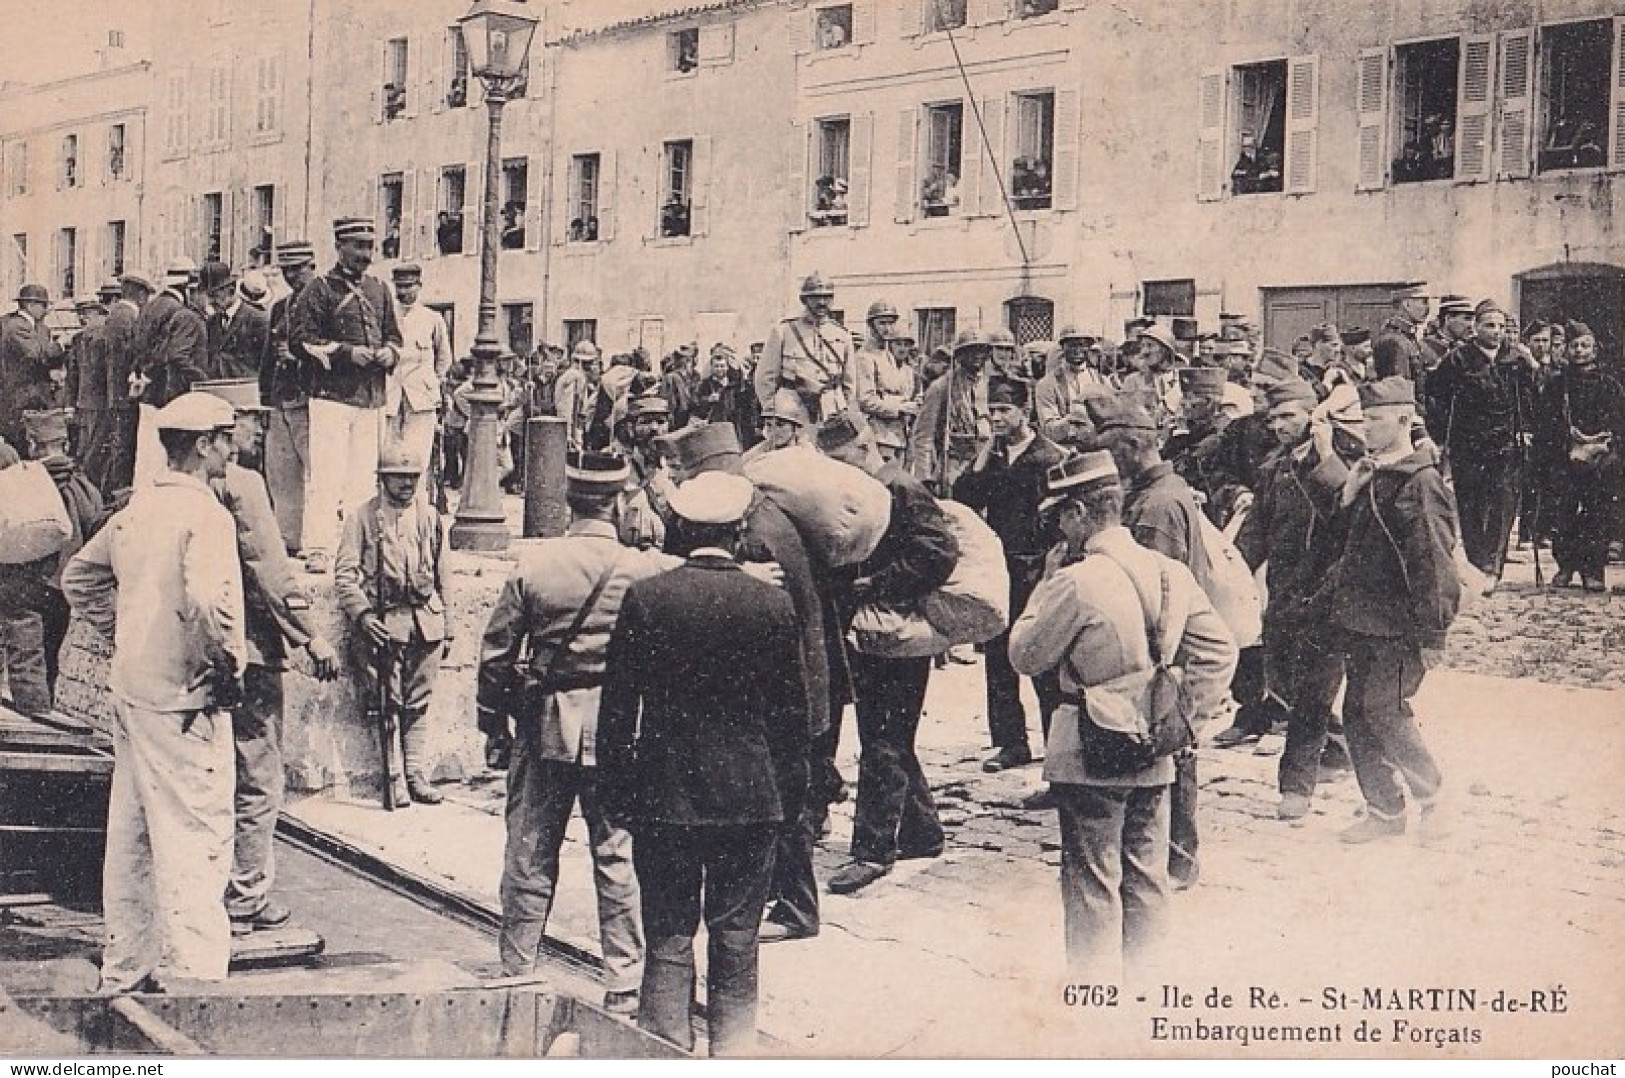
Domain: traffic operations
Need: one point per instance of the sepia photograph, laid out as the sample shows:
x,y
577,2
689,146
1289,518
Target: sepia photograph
x,y
812,529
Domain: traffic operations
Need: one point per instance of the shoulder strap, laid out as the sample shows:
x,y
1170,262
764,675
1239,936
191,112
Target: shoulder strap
x,y
582,613
1156,625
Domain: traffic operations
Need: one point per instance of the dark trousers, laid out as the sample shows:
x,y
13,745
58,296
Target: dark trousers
x,y
256,728
724,872
894,810
55,614
1184,841
1303,675
1486,501
454,449
118,471
794,886
1254,711
1384,673
1006,718
1583,523
1114,888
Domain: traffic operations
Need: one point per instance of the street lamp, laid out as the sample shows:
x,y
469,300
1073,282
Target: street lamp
x,y
498,34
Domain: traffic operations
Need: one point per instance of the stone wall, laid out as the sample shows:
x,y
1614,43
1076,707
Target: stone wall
x,y
328,745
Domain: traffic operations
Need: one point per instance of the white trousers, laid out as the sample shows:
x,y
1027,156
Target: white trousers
x,y
169,835
343,468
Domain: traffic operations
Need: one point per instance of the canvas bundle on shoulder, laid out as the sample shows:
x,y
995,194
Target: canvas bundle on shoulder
x,y
1129,723
971,607
33,519
840,511
1232,586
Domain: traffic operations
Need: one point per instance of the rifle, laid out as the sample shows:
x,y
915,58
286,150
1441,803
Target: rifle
x,y
382,707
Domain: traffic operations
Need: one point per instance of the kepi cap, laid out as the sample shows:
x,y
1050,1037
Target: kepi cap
x,y
407,271
1453,304
293,253
354,228
596,473
197,412
713,498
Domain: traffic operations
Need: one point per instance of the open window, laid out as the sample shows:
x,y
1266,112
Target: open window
x,y
1260,129
676,188
395,69
1032,173
934,328
113,241
1574,95
519,321
70,161
457,68
214,223
448,227
262,206
1031,9
392,208
115,152
1426,76
832,27
944,15
683,50
67,260
584,173
833,148
515,195
944,145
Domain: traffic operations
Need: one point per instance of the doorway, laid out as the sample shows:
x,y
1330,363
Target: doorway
x,y
1290,313
1589,292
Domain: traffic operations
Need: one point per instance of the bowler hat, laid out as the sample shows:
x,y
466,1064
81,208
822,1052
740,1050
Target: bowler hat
x,y
33,293
213,275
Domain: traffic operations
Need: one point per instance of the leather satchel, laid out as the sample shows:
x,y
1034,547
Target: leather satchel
x,y
1129,723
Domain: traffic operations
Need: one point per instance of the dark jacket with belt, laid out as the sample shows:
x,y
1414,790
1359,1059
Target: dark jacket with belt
x,y
701,720
333,317
1395,574
1478,406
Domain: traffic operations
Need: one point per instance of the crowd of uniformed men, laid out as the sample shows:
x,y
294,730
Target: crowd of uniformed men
x,y
694,710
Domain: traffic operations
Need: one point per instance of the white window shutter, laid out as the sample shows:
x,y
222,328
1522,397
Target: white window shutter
x,y
717,44
1474,96
908,125
860,170
280,196
1302,123
413,79
972,161
699,197
194,227
564,201
1516,97
1210,170
991,159
533,202
436,62
409,213
606,195
798,166
799,27
863,22
1616,138
1371,104
911,17
429,200
1065,169
375,97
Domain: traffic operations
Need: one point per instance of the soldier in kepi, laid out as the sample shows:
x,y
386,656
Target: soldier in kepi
x,y
285,387
277,615
390,583
344,326
809,353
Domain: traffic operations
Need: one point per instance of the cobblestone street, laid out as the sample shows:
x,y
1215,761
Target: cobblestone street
x,y
963,954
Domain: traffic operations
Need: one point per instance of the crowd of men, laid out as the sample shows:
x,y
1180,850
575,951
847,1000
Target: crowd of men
x,y
680,661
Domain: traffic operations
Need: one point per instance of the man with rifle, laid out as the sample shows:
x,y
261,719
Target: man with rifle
x,y
389,578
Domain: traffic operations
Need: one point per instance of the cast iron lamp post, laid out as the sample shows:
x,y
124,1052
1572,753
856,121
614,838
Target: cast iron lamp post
x,y
498,34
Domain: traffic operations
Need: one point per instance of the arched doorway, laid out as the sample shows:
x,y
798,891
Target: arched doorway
x,y
1589,292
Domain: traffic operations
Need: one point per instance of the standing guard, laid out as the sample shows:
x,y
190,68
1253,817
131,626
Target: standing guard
x,y
810,353
390,583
